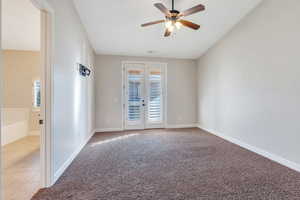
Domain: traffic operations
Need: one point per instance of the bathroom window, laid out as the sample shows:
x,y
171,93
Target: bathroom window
x,y
36,94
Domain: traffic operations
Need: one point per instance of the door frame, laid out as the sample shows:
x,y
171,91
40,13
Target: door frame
x,y
1,101
47,52
165,106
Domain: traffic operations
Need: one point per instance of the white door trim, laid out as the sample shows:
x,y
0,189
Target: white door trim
x,y
165,107
1,89
47,43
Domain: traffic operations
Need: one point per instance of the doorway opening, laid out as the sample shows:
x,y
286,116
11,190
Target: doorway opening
x,y
144,95
26,93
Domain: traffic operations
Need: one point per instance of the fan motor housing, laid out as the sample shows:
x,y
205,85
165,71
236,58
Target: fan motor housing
x,y
174,14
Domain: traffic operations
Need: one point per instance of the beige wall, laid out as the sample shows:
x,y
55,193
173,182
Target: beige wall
x,y
73,97
181,86
20,69
249,85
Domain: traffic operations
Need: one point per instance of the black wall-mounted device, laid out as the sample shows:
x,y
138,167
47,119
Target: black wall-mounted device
x,y
84,71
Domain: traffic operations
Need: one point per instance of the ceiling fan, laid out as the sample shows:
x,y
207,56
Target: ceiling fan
x,y
174,18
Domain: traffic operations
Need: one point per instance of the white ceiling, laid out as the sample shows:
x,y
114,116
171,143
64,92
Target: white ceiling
x,y
20,25
114,27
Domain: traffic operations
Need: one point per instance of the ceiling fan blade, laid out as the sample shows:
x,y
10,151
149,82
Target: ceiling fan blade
x,y
193,10
189,24
163,9
167,33
152,23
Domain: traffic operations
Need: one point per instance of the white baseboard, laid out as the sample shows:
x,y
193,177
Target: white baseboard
x,y
102,130
62,169
181,125
271,156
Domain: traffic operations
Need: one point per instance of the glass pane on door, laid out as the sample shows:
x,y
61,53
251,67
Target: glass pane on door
x,y
135,95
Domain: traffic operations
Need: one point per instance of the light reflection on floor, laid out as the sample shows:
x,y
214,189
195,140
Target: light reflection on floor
x,y
114,139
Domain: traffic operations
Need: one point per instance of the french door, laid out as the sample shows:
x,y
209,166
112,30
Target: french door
x,y
144,95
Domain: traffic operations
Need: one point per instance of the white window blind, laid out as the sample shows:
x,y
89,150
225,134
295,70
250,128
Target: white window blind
x,y
135,79
37,94
155,97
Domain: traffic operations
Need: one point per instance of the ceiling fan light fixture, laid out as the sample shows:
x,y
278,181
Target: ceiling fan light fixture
x,y
169,23
178,25
171,28
173,18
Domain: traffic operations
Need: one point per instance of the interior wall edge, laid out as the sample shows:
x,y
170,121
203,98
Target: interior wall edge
x,y
1,100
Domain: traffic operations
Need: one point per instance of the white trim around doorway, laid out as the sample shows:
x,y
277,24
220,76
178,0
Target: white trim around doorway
x,y
47,44
1,101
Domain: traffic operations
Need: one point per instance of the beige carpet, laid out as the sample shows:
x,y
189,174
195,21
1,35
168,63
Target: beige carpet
x,y
184,164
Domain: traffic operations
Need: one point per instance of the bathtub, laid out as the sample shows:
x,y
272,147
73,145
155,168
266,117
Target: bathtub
x,y
15,124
